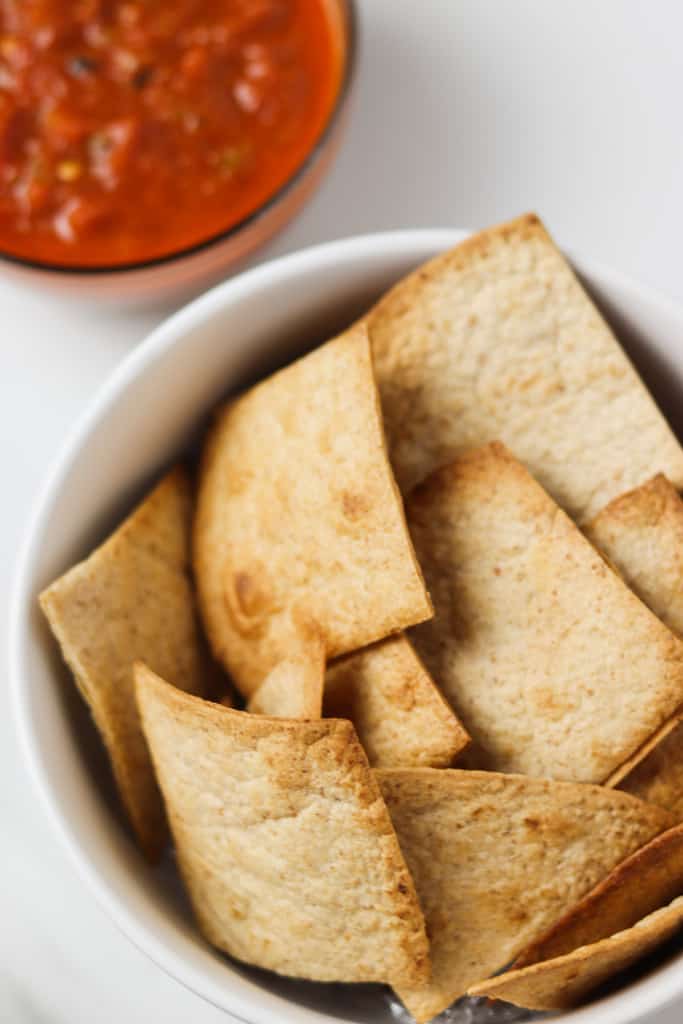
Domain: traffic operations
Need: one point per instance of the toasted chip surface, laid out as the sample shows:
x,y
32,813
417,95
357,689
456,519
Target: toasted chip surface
x,y
648,879
643,756
294,688
659,776
565,981
298,506
497,858
642,534
400,715
498,340
553,665
284,841
132,598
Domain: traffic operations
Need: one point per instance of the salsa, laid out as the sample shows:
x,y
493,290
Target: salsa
x,y
133,129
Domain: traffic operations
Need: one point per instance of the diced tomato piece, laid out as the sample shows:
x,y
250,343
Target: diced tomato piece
x,y
77,216
32,191
194,62
110,149
16,53
63,128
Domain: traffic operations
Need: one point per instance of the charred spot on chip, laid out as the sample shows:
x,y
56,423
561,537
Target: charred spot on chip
x,y
248,601
355,506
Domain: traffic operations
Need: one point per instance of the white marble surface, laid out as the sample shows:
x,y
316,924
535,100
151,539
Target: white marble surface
x,y
467,111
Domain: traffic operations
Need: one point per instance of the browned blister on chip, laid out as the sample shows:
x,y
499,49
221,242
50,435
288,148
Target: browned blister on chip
x,y
298,507
400,715
284,841
498,340
553,665
567,981
132,598
496,859
642,534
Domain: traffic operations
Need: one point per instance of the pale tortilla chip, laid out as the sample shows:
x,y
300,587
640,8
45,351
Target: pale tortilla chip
x,y
298,507
294,688
659,777
553,665
645,881
497,858
642,534
566,981
401,717
132,598
498,340
283,841
643,754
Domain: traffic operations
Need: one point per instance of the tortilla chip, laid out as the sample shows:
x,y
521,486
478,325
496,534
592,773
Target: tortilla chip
x,y
643,753
400,716
645,881
132,598
566,981
642,534
294,688
298,507
497,339
659,777
283,841
553,665
497,858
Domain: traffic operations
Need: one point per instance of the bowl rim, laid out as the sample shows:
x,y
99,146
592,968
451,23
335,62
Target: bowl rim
x,y
642,997
313,157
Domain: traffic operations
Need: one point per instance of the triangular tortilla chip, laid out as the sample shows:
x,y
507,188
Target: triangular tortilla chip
x,y
497,339
565,982
294,688
130,599
298,507
401,717
283,841
652,745
642,534
497,858
553,665
645,881
659,777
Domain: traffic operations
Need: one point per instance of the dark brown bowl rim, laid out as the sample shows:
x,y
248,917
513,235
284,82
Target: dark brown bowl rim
x,y
301,171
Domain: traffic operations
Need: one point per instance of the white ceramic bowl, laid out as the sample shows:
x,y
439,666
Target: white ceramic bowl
x,y
150,410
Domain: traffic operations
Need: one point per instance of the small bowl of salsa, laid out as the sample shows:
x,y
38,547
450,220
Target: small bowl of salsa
x,y
145,146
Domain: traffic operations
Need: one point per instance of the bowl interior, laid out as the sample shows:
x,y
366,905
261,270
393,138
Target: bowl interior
x,y
151,410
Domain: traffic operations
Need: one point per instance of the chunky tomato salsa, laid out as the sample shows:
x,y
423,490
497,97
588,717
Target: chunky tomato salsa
x,y
132,129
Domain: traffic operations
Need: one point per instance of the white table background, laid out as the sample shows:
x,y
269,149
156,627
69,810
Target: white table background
x,y
467,112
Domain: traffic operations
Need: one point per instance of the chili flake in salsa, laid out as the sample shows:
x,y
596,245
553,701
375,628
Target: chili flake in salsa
x,y
132,129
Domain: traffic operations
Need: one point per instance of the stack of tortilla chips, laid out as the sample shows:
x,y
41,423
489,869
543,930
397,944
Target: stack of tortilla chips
x,y
440,560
